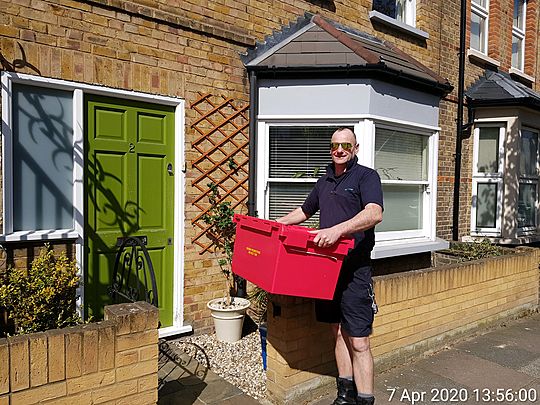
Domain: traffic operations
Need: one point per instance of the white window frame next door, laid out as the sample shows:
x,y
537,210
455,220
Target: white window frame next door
x,y
77,233
488,178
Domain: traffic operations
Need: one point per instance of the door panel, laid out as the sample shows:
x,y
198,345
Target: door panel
x,y
130,193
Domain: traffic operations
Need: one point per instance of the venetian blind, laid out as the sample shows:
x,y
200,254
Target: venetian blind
x,y
299,152
284,197
401,155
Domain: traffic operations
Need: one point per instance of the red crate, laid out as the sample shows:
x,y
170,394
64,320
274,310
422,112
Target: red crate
x,y
282,259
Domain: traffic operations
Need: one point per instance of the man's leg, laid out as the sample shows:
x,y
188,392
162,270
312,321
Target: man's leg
x,y
342,352
362,364
345,385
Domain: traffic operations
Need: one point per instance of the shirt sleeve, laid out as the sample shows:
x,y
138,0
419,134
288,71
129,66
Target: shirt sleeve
x,y
311,204
371,189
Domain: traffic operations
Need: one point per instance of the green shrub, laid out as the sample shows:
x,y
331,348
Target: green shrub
x,y
43,297
476,250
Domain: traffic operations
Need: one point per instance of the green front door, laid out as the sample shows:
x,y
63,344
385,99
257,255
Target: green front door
x,y
130,192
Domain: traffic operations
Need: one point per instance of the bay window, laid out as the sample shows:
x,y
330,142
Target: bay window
x,y
293,156
488,165
528,182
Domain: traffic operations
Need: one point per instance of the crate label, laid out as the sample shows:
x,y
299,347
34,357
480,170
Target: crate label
x,y
253,252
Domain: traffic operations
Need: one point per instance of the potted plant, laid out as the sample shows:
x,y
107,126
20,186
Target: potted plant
x,y
228,311
259,298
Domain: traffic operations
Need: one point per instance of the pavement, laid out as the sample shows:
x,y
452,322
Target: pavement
x,y
501,366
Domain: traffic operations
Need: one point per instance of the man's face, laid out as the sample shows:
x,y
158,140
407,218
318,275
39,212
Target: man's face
x,y
343,147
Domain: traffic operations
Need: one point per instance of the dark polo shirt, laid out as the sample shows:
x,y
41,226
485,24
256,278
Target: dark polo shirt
x,y
341,198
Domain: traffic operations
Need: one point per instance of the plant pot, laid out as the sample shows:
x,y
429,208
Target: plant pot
x,y
228,321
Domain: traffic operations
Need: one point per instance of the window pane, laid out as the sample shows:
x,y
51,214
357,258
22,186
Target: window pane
x,y
401,155
387,7
400,10
488,150
402,208
517,52
527,205
478,33
518,13
481,3
284,197
486,205
529,153
300,151
42,158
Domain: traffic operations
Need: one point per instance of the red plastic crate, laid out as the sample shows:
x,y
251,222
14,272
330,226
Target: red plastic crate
x,y
282,259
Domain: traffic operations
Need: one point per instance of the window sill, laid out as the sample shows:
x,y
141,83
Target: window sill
x,y
394,248
23,236
521,75
392,22
476,56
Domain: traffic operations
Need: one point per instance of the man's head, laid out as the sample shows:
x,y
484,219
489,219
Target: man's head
x,y
343,146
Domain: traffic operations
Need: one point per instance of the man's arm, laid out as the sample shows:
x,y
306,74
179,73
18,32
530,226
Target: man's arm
x,y
294,217
370,216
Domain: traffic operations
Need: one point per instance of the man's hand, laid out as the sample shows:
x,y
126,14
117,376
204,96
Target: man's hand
x,y
326,237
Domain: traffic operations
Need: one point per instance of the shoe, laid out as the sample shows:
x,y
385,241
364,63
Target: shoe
x,y
346,392
365,401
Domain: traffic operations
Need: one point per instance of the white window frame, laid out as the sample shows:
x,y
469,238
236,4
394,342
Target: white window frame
x,y
488,178
519,32
530,179
364,127
77,232
483,13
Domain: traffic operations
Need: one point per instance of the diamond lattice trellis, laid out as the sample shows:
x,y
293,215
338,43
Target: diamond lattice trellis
x,y
222,145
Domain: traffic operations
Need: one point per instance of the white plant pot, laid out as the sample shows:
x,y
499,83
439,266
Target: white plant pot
x,y
228,321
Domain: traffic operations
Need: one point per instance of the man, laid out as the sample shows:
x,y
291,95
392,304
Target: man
x,y
349,197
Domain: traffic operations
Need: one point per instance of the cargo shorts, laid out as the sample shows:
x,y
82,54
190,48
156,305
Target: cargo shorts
x,y
353,302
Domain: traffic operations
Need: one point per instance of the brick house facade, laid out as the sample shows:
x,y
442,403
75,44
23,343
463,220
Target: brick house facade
x,y
154,53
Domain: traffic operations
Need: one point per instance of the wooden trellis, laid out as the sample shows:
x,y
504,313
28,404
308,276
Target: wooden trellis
x,y
223,157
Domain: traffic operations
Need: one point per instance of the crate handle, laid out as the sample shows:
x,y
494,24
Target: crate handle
x,y
314,254
260,227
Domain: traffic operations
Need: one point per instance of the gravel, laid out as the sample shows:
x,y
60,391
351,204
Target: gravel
x,y
239,363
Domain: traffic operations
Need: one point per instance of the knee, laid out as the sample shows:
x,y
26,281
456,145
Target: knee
x,y
360,344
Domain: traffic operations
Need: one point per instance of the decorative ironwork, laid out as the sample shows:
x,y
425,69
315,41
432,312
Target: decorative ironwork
x,y
223,157
134,278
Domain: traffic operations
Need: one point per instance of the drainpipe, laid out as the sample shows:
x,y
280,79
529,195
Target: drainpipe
x,y
241,290
459,120
253,109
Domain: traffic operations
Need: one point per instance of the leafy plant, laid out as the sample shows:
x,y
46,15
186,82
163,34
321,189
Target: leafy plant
x,y
43,297
476,250
259,299
222,232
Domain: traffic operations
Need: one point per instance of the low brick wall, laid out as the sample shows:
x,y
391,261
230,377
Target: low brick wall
x,y
419,311
114,361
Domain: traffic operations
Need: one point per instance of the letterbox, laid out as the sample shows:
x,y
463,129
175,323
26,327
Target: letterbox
x,y
282,259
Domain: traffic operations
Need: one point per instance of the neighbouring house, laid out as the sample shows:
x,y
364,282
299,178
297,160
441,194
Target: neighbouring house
x,y
117,114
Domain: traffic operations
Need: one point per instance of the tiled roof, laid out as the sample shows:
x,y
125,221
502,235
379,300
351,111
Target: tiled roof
x,y
498,88
315,43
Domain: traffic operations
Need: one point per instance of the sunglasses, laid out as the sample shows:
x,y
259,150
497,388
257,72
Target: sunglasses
x,y
347,146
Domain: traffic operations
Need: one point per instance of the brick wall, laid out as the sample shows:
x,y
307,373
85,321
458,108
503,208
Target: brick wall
x,y
114,361
419,311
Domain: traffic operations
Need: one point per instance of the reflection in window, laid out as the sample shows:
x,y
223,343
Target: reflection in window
x,y
488,150
486,205
401,10
42,158
479,21
518,34
529,153
403,207
527,205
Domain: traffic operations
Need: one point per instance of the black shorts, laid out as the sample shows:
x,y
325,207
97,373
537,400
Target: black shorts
x,y
352,302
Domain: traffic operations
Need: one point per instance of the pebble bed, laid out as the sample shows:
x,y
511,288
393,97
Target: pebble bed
x,y
239,363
